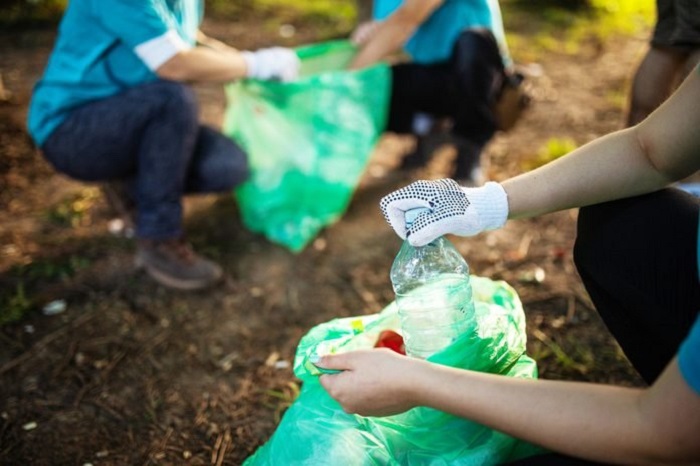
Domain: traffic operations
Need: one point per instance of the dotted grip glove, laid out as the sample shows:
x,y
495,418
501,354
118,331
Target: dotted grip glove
x,y
451,209
275,63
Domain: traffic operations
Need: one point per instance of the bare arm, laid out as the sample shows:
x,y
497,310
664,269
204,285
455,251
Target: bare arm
x,y
393,33
598,422
205,63
605,423
210,42
663,148
213,60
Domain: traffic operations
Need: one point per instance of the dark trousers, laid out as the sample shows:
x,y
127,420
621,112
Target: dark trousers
x,y
463,89
149,136
637,258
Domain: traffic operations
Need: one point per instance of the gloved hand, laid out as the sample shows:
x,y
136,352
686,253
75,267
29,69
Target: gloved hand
x,y
452,209
274,63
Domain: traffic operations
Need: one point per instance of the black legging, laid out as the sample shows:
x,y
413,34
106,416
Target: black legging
x,y
638,260
464,89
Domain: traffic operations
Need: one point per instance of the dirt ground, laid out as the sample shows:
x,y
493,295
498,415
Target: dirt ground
x,y
132,373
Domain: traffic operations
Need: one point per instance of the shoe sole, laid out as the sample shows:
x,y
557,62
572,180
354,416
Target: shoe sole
x,y
166,280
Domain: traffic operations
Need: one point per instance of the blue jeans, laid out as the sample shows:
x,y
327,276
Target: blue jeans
x,y
149,136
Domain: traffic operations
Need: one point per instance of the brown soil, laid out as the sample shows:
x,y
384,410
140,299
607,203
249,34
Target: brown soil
x,y
132,373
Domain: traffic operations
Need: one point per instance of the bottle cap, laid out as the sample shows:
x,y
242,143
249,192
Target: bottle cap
x,y
410,215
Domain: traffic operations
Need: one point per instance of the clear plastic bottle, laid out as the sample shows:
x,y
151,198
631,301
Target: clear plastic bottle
x,y
433,294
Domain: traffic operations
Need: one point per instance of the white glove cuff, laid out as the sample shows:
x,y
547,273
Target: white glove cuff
x,y
250,61
490,201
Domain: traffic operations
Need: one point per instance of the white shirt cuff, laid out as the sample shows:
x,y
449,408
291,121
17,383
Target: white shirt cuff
x,y
155,52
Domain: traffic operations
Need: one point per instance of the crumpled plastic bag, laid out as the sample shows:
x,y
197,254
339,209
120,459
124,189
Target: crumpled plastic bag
x,y
315,429
308,141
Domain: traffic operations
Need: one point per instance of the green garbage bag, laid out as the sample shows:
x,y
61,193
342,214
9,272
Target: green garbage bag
x,y
315,429
308,141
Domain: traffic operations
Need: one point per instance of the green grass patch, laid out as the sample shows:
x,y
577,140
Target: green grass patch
x,y
282,399
14,304
73,211
328,18
48,269
16,299
333,10
28,12
617,97
552,150
534,28
547,347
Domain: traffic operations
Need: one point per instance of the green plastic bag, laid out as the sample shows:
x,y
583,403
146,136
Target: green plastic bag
x,y
308,141
315,429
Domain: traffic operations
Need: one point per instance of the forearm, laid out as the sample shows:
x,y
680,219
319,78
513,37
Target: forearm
x,y
388,39
394,31
610,167
206,41
591,421
204,64
630,162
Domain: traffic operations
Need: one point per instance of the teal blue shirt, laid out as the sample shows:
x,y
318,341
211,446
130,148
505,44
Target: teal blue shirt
x,y
689,357
689,354
95,55
435,38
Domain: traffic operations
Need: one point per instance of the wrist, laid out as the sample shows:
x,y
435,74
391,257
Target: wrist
x,y
491,202
250,60
417,387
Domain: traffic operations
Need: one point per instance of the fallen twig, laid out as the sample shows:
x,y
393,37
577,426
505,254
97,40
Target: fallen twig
x,y
44,342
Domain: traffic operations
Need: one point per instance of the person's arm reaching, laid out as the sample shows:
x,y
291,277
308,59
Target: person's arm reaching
x,y
391,34
204,64
172,55
221,64
207,41
662,149
658,425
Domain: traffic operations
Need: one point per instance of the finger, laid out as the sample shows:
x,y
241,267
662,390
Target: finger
x,y
395,206
358,37
449,183
327,381
337,361
397,219
424,233
363,32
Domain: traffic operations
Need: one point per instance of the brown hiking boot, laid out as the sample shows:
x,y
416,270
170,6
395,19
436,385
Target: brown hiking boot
x,y
173,263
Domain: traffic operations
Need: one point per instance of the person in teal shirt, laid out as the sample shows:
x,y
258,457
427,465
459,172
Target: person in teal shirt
x,y
637,254
113,105
458,69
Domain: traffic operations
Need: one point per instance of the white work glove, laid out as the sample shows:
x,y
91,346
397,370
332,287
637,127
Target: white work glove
x,y
276,63
451,209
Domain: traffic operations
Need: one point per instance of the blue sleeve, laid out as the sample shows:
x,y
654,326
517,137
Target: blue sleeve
x,y
689,357
133,21
381,9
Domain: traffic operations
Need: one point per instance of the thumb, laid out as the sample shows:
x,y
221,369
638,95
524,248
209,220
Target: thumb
x,y
342,362
423,235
